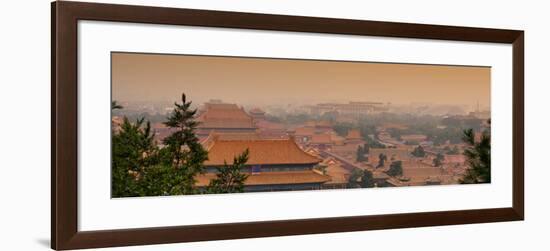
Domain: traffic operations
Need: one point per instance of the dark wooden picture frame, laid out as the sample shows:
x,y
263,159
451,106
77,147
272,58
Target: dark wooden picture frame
x,y
64,192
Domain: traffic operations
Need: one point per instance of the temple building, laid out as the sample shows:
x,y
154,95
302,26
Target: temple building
x,y
224,118
351,108
339,175
257,113
354,137
273,164
271,130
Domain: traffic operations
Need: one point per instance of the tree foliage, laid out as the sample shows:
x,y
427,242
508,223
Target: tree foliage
x,y
321,168
183,151
418,152
229,178
367,180
452,151
141,168
342,128
360,179
361,151
115,105
438,160
381,160
373,143
133,150
478,158
396,169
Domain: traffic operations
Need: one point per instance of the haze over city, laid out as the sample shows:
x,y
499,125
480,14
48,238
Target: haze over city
x,y
260,81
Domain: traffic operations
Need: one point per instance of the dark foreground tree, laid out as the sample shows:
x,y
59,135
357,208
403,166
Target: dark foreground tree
x,y
141,169
478,158
133,149
183,151
396,169
115,105
229,178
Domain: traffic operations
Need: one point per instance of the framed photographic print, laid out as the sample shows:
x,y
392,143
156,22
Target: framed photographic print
x,y
177,125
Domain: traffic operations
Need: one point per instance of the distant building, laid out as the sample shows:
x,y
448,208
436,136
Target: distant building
x,y
421,173
271,130
336,139
387,126
230,136
481,114
380,179
339,175
485,114
317,133
257,113
303,134
222,118
321,125
273,164
322,141
354,134
354,137
401,153
215,101
414,138
455,160
351,108
433,181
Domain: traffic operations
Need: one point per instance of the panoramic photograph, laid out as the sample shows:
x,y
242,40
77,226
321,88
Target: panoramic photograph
x,y
194,124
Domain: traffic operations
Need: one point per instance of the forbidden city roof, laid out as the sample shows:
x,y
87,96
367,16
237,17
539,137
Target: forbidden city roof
x,y
304,131
264,152
224,116
414,137
256,111
354,134
231,136
321,139
273,178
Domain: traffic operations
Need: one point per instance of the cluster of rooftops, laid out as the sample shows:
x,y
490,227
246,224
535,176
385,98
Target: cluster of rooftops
x,y
274,164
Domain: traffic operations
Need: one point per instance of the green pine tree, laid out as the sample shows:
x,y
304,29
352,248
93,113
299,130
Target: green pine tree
x,y
229,178
478,158
183,151
367,181
438,160
354,180
381,160
396,169
418,152
133,149
115,105
360,179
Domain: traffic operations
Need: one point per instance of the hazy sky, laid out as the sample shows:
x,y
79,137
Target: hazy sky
x,y
151,77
